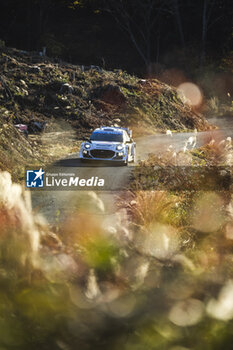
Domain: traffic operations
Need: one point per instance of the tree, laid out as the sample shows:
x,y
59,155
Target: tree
x,y
140,20
174,7
208,6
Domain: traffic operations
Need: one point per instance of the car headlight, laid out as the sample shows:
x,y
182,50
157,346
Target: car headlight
x,y
87,146
119,147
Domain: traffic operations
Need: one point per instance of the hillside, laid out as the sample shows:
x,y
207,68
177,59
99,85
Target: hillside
x,y
78,98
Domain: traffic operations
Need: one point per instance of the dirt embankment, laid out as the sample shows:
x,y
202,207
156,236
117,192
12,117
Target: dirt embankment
x,y
36,89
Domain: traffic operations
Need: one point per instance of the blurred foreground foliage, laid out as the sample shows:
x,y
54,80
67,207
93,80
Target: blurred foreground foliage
x,y
158,274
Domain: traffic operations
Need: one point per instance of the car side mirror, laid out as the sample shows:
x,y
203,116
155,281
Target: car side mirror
x,y
130,141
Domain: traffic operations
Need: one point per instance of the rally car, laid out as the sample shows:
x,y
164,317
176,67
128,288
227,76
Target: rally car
x,y
111,144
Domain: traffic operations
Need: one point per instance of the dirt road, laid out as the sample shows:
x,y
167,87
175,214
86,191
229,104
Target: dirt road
x,y
56,205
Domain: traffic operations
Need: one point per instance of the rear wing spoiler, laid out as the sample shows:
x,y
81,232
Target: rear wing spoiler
x,y
129,132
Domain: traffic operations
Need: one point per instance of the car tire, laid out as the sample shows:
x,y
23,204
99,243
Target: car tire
x,y
134,157
124,162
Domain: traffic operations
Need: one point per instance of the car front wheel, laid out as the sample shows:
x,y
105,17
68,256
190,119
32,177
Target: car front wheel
x,y
134,157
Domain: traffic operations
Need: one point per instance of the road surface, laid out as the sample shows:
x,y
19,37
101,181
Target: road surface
x,y
57,205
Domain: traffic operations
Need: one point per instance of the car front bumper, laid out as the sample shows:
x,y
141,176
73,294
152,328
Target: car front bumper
x,y
116,157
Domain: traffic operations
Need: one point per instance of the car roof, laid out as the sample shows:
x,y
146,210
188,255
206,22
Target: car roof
x,y
110,130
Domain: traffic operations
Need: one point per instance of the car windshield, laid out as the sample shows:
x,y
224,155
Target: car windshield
x,y
106,136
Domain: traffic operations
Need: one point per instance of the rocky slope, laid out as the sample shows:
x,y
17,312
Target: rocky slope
x,y
37,89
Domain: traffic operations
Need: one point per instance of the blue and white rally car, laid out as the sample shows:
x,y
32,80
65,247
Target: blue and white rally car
x,y
111,144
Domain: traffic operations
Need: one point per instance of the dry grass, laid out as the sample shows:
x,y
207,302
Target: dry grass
x,y
86,288
148,207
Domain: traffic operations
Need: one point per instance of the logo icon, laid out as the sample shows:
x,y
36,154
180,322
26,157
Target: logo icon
x,y
35,178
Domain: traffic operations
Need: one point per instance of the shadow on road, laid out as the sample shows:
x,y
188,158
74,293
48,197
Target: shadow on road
x,y
76,162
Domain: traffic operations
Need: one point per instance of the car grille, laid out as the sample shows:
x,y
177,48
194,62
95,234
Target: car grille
x,y
102,153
